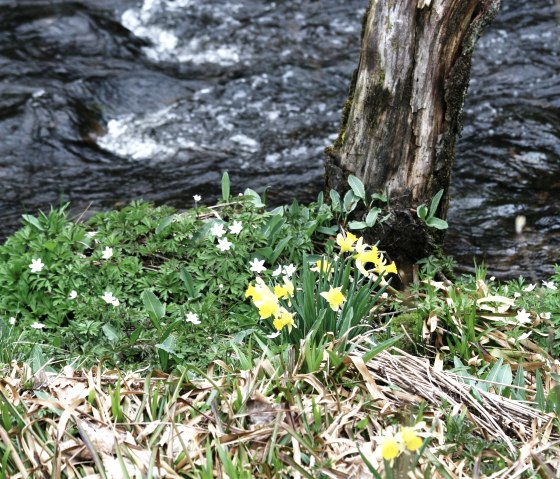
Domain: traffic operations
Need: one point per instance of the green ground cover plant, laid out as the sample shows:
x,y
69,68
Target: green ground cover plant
x,y
233,340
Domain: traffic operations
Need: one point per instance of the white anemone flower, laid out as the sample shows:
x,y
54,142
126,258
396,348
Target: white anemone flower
x,y
523,317
36,265
257,266
107,253
236,227
289,270
110,299
218,230
192,318
224,244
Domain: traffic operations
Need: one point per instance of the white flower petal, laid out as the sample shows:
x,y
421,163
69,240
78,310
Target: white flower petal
x,y
218,230
107,253
36,265
110,299
192,318
224,244
257,266
289,270
236,227
523,317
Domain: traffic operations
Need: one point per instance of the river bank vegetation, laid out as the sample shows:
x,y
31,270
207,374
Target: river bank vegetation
x,y
238,341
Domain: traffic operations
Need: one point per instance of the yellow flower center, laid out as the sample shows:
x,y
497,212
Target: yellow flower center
x,y
411,440
334,297
389,448
284,318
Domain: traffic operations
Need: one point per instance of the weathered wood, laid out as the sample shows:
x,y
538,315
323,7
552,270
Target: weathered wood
x,y
403,112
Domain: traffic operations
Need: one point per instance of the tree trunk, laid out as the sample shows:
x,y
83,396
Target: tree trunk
x,y
403,112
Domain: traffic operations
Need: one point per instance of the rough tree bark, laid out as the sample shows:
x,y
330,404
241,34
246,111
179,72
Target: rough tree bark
x,y
403,111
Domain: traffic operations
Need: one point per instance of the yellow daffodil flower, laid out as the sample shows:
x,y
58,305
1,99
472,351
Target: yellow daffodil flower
x,y
367,256
284,318
321,265
390,447
251,291
387,268
268,307
284,291
411,440
264,299
288,286
345,242
334,297
280,291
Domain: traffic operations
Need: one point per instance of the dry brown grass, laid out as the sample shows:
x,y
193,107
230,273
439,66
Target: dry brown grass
x,y
270,421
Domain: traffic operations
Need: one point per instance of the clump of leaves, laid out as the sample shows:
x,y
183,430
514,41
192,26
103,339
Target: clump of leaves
x,y
81,288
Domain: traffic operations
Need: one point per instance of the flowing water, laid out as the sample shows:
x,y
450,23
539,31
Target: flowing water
x,y
106,101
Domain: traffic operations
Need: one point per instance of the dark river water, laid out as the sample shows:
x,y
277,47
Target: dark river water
x,y
102,102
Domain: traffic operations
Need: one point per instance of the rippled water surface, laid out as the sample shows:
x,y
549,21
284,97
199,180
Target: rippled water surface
x,y
106,101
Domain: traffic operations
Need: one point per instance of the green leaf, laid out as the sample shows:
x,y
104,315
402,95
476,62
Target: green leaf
x,y
153,306
371,217
379,197
369,465
422,212
540,397
265,253
437,223
279,248
36,359
500,373
254,196
357,187
272,227
164,223
435,202
188,282
378,348
519,381
335,200
553,400
327,230
225,187
350,201
135,335
169,345
50,245
33,221
110,332
357,225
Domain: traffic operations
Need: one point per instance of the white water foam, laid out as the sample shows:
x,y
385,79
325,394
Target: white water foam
x,y
167,45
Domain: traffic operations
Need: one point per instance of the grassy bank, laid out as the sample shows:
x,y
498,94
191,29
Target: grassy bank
x,y
235,341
